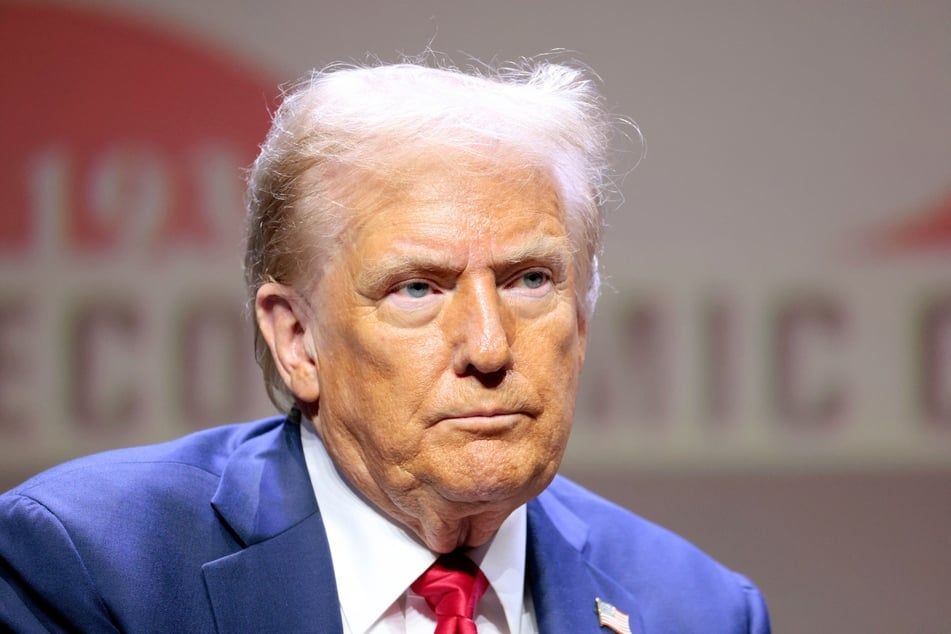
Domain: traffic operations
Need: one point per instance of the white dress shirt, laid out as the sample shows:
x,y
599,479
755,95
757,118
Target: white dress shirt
x,y
376,560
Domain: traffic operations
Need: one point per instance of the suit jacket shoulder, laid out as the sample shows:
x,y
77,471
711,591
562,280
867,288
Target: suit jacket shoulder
x,y
661,581
220,531
188,535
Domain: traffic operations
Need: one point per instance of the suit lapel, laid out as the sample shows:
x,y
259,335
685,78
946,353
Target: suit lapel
x,y
282,580
564,585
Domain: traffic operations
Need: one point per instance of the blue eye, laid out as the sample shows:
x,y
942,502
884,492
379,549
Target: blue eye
x,y
417,297
417,289
534,279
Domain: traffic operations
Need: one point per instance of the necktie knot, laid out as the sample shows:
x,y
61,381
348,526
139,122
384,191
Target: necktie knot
x,y
451,587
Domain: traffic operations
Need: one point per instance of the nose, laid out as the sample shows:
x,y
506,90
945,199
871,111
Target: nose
x,y
478,332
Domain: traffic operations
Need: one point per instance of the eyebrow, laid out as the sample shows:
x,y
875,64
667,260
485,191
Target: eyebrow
x,y
414,259
555,251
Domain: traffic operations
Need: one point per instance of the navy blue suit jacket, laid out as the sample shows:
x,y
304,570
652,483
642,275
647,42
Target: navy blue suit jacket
x,y
220,531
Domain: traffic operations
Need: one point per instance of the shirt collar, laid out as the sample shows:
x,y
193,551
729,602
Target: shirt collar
x,y
362,539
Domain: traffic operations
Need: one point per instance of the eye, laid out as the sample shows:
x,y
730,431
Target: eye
x,y
412,303
531,282
534,279
416,289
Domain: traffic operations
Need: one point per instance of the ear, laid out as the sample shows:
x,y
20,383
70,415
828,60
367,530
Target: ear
x,y
582,338
285,322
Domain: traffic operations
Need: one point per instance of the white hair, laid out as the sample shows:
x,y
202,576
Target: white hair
x,y
345,121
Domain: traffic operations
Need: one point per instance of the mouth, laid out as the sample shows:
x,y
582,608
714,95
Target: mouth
x,y
483,422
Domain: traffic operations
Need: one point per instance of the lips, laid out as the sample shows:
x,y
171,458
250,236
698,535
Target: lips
x,y
486,420
479,424
483,413
496,410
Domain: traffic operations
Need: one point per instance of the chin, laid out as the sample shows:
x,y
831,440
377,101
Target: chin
x,y
487,485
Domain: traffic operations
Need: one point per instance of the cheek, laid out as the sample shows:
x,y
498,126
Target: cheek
x,y
376,377
549,358
552,348
564,366
369,350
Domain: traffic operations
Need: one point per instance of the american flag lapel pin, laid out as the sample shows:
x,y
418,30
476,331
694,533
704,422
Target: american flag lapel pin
x,y
612,618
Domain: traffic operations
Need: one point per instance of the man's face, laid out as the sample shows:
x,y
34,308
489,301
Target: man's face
x,y
448,345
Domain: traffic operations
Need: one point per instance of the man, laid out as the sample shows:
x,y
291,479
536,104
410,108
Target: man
x,y
422,262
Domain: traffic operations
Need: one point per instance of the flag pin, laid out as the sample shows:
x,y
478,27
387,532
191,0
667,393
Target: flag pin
x,y
612,618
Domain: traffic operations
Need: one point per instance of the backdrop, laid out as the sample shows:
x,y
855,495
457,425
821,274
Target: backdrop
x,y
769,369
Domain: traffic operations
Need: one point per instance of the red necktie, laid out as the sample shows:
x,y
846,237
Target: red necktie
x,y
452,586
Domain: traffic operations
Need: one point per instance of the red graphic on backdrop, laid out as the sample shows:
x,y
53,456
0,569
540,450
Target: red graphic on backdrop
x,y
117,135
929,230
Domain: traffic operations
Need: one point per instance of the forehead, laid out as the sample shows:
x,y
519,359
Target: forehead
x,y
474,199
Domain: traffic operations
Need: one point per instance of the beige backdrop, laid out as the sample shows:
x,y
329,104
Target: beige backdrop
x,y
770,367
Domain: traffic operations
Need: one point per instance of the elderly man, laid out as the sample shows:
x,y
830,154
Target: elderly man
x,y
422,265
